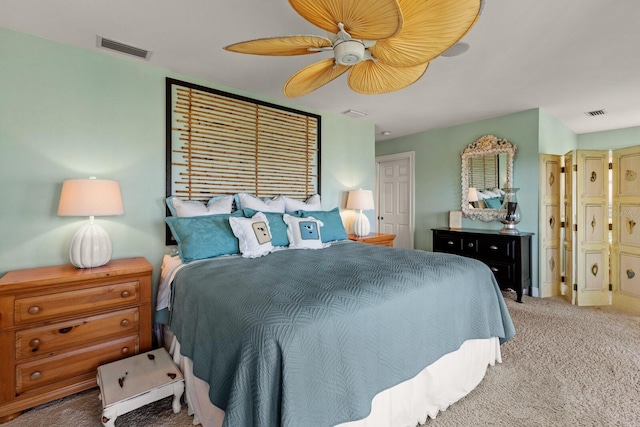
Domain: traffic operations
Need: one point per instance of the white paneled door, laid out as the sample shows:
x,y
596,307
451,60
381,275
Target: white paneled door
x,y
395,184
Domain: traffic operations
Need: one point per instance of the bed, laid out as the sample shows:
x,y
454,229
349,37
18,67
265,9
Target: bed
x,y
351,334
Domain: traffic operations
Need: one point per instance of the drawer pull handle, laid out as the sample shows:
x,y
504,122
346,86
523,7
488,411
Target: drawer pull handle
x,y
125,294
124,322
470,245
65,330
34,309
124,350
34,343
493,247
449,242
494,269
36,375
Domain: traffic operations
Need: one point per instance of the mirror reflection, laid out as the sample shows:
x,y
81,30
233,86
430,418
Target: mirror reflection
x,y
486,170
487,178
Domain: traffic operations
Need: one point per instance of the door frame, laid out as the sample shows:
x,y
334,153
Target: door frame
x,y
411,156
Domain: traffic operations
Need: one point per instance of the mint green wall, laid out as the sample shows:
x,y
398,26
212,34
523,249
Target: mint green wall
x,y
67,112
609,140
438,173
555,137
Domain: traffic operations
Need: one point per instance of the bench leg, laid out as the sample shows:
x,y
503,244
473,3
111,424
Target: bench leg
x,y
178,390
109,417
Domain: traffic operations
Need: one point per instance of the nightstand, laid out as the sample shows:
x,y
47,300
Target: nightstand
x,y
379,239
58,324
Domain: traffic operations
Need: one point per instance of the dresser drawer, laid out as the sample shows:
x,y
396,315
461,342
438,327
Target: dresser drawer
x,y
32,375
451,244
470,246
42,307
504,272
64,335
497,248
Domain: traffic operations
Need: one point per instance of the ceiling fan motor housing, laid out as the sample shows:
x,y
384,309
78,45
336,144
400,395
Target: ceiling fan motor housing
x,y
348,52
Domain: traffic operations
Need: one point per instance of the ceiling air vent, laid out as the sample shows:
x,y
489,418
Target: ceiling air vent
x,y
354,113
596,113
123,48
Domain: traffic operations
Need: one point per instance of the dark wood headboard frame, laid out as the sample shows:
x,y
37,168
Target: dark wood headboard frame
x,y
170,83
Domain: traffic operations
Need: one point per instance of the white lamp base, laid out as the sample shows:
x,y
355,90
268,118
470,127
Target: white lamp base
x,y
90,247
361,226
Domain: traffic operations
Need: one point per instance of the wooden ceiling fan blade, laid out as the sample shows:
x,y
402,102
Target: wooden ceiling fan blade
x,y
430,28
362,19
312,77
371,78
281,46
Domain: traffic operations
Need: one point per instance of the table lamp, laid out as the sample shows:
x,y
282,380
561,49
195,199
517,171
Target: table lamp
x,y
473,197
361,200
90,246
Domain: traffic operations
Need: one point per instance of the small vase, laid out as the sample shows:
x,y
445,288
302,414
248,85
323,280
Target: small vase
x,y
510,213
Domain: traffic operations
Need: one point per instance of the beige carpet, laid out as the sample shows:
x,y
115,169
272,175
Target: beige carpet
x,y
567,366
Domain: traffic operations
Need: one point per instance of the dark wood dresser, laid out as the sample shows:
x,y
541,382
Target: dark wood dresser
x,y
508,256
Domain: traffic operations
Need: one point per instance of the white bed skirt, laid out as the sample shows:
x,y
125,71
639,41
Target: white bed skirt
x,y
434,389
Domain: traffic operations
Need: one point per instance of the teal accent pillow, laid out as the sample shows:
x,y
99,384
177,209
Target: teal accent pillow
x,y
493,203
333,228
201,237
276,225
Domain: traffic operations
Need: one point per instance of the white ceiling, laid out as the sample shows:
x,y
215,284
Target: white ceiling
x,y
564,56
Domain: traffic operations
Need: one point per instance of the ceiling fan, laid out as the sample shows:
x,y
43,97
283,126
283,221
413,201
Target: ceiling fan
x,y
385,45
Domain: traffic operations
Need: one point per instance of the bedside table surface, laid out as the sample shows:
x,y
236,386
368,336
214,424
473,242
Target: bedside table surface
x,y
372,237
68,273
139,374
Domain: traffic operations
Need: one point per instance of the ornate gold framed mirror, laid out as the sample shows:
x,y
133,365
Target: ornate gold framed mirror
x,y
487,167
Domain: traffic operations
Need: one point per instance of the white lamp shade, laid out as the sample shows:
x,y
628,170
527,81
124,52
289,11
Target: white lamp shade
x,y
360,199
473,194
90,197
90,247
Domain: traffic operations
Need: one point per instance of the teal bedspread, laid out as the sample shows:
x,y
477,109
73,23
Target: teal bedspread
x,y
309,337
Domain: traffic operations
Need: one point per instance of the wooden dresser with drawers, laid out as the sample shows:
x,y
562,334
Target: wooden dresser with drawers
x,y
58,324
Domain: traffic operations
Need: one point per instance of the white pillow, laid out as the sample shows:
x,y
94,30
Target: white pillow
x,y
245,200
491,194
187,208
254,235
311,204
304,233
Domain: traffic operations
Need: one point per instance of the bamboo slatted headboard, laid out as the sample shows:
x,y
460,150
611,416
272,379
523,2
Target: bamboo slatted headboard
x,y
222,143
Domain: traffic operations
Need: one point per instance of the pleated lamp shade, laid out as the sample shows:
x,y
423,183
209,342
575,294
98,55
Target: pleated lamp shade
x,y
90,246
361,200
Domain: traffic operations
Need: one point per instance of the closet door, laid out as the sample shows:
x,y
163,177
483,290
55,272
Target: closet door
x,y
625,260
569,234
549,227
592,221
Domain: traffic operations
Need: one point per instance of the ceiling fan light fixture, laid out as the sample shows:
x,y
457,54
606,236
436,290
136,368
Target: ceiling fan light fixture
x,y
348,52
385,45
